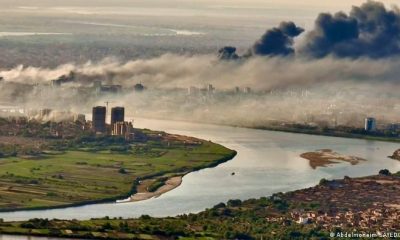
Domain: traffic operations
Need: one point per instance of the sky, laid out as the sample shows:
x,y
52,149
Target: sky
x,y
53,32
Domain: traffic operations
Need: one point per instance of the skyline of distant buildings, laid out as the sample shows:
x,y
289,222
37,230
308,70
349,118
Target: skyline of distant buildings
x,y
207,96
210,89
117,114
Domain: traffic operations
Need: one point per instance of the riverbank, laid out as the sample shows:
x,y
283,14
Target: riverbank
x,y
108,173
330,133
143,192
308,213
154,186
301,129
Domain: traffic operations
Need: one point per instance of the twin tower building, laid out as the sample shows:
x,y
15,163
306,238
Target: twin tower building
x,y
118,126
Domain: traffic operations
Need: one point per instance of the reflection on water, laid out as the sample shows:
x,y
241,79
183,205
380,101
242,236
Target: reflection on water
x,y
267,162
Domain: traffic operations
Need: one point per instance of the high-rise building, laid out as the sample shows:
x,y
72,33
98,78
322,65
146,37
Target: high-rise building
x,y
99,119
370,125
117,115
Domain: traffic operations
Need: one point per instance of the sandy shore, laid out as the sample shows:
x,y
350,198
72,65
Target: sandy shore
x,y
325,157
144,194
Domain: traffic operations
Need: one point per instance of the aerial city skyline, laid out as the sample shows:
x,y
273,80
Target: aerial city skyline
x,y
185,119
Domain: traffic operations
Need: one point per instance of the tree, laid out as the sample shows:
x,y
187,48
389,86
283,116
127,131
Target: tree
x,y
323,181
385,172
234,203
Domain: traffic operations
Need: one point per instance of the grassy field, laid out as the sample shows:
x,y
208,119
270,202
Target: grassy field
x,y
82,175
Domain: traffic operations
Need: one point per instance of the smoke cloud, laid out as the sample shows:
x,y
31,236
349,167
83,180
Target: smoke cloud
x,y
277,41
370,30
182,71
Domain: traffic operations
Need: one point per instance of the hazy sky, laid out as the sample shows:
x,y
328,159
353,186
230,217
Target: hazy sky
x,y
328,5
257,12
235,13
192,7
94,29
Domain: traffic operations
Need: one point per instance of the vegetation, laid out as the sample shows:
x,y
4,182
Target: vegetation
x,y
239,220
384,172
88,168
263,218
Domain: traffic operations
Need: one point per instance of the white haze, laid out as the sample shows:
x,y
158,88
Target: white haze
x,y
286,89
182,71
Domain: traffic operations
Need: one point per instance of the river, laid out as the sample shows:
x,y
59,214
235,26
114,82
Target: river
x,y
267,162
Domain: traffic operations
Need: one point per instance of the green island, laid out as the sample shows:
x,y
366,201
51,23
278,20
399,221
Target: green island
x,y
41,168
331,207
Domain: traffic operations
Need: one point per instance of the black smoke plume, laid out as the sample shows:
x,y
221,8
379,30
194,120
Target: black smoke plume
x,y
227,53
277,41
370,30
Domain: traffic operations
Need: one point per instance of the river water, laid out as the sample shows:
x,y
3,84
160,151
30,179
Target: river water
x,y
267,162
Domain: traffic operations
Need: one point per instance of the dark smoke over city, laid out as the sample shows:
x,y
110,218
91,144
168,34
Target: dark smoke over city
x,y
346,67
277,41
370,30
